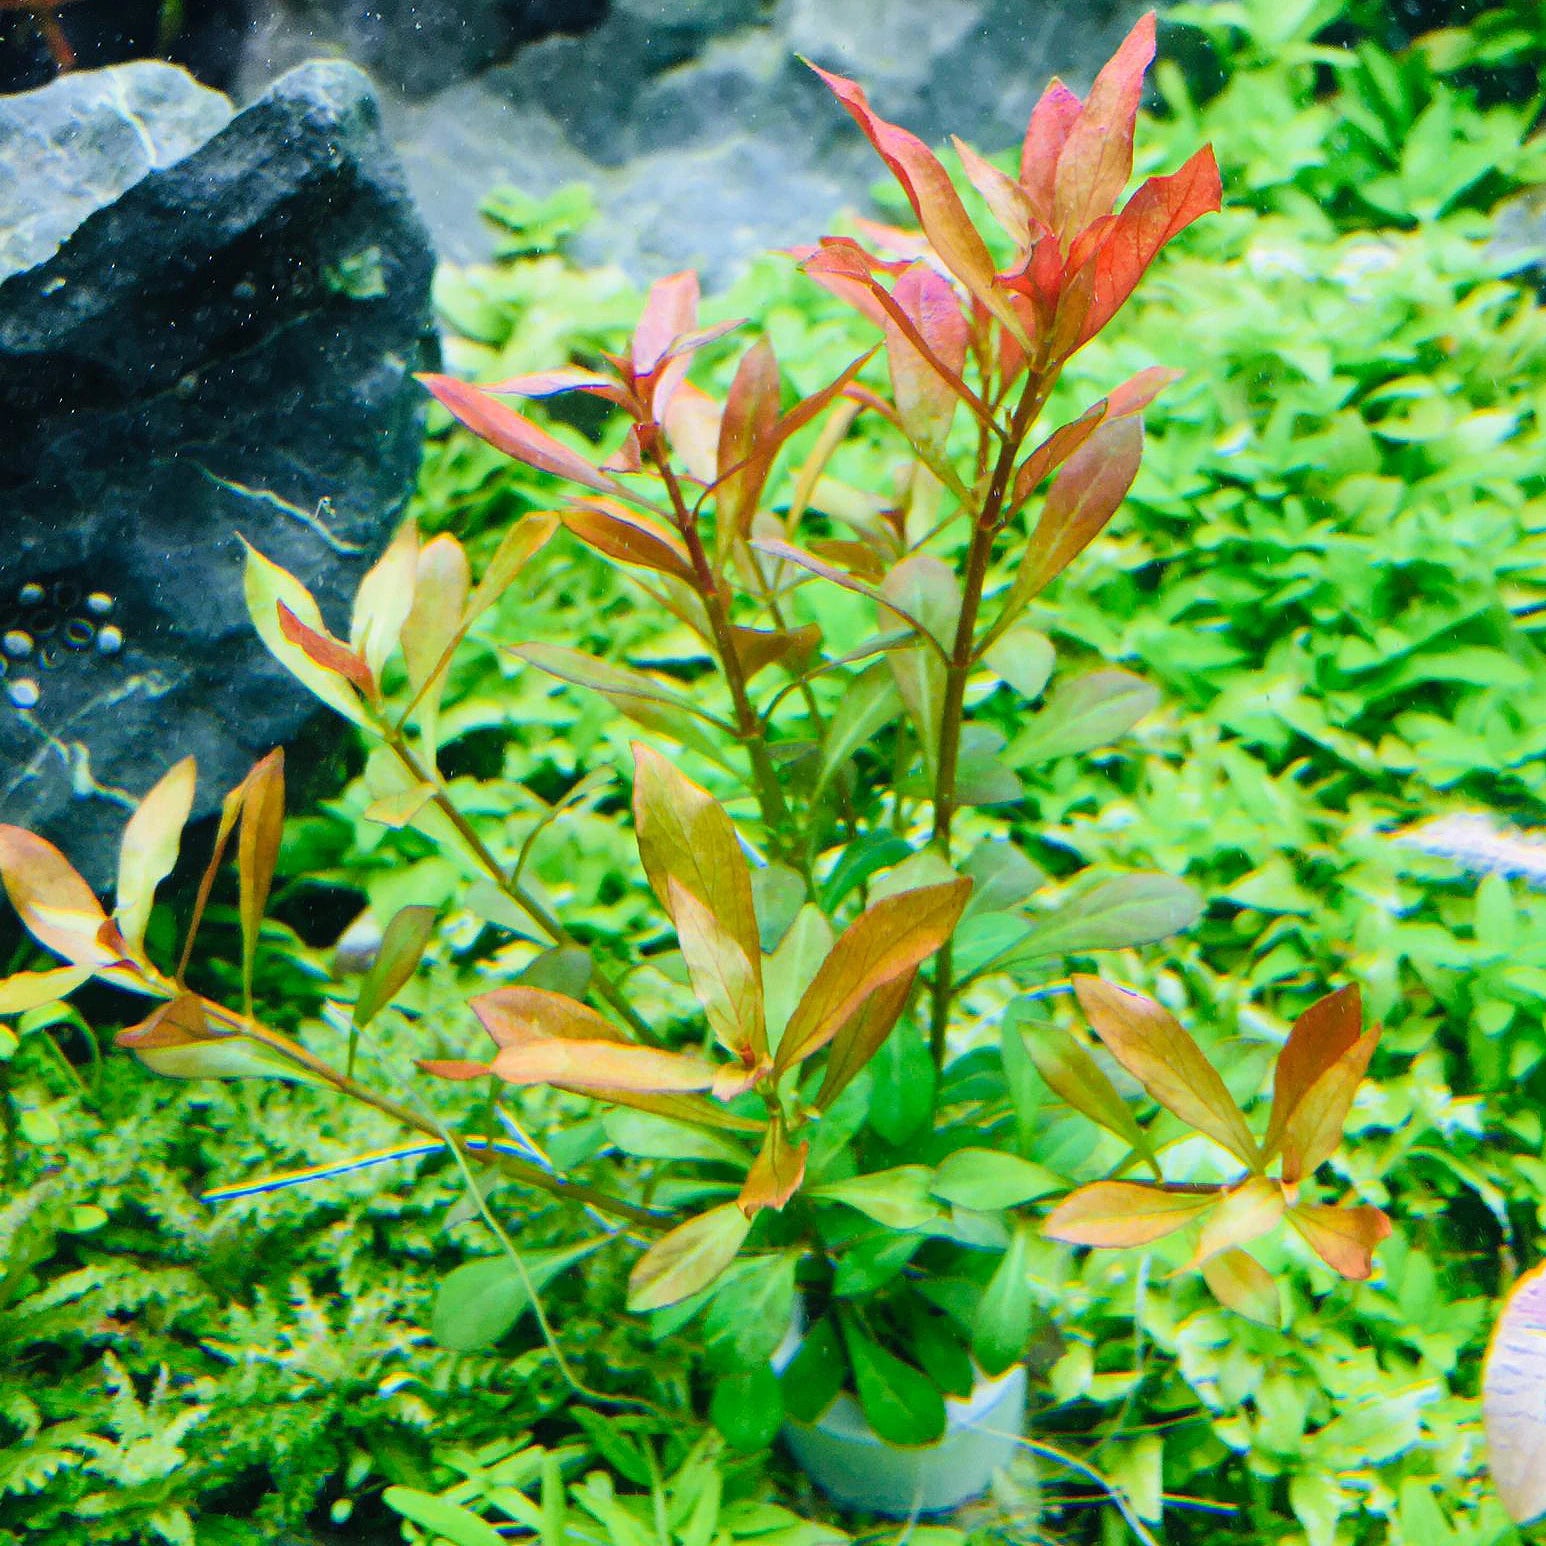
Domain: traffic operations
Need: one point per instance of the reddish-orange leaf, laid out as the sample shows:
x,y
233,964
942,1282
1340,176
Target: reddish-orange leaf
x,y
1010,203
1052,120
758,648
1083,498
1321,1035
1312,1133
692,419
933,197
1121,1213
56,907
1343,1238
670,309
887,940
454,1068
862,1036
324,650
618,532
776,1173
1137,392
600,1066
257,852
927,387
749,422
1245,1213
1161,208
552,383
1055,450
1096,159
517,1016
513,433
1148,1041
842,266
179,1022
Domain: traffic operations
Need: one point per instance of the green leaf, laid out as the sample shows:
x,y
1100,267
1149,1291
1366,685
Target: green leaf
x,y
870,1264
1023,657
791,969
688,1259
1110,915
899,1198
940,1349
862,858
987,1180
1070,1072
748,1408
1088,712
813,1377
478,1302
1004,1317
444,1519
869,704
903,1405
1001,876
902,1096
402,945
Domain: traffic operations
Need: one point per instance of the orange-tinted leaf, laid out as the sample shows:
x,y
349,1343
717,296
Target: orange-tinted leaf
x,y
775,547
933,197
1343,1238
862,1036
30,990
516,1016
1161,208
322,649
685,835
1148,1041
1052,120
513,433
1327,1030
257,852
179,1022
1315,1129
725,980
1121,1213
926,395
600,1066
1073,1075
629,538
1096,158
1240,1283
1010,203
1514,1399
1055,450
758,648
1137,392
149,848
886,941
434,625
688,1259
552,383
56,907
692,422
776,1173
749,422
670,310
1246,1213
1083,497
384,600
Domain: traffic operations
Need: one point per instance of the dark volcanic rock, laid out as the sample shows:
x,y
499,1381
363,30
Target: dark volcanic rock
x,y
225,347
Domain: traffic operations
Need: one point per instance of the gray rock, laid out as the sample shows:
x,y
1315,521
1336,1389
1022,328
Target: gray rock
x,y
224,348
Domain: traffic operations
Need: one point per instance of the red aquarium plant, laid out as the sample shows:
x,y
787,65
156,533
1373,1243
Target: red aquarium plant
x,y
829,939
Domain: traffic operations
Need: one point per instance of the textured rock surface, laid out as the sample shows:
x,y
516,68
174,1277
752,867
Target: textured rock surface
x,y
223,348
704,137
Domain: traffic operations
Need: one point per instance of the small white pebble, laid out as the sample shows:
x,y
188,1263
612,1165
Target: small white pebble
x,y
23,692
17,644
109,640
99,603
31,594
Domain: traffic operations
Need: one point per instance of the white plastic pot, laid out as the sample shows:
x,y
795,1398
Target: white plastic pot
x,y
858,1469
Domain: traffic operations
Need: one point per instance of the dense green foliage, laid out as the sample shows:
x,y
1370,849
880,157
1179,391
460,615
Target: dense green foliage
x,y
1329,566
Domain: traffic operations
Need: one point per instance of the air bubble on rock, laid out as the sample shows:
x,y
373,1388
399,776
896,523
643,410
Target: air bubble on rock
x,y
109,640
50,657
77,633
66,594
31,594
17,644
44,623
23,693
99,604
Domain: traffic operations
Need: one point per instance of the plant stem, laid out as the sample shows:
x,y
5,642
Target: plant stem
x,y
556,1186
606,985
749,725
958,668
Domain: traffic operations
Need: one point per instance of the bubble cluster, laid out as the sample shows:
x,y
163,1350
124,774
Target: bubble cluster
x,y
46,625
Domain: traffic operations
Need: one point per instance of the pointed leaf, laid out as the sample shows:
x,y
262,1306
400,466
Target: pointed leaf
x,y
441,587
926,399
23,991
1123,1213
725,980
688,1259
1343,1238
397,958
670,310
384,600
1002,1324
869,703
1240,1283
1052,121
1315,1129
862,1036
747,428
1514,1399
267,588
56,907
513,433
1080,715
516,548
884,942
326,652
898,1198
987,1180
903,1405
1112,914
513,1017
1327,1030
1148,1041
776,1174
630,538
1023,657
685,835
619,684
1072,1074
478,1302
149,848
257,852
600,1066
792,968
